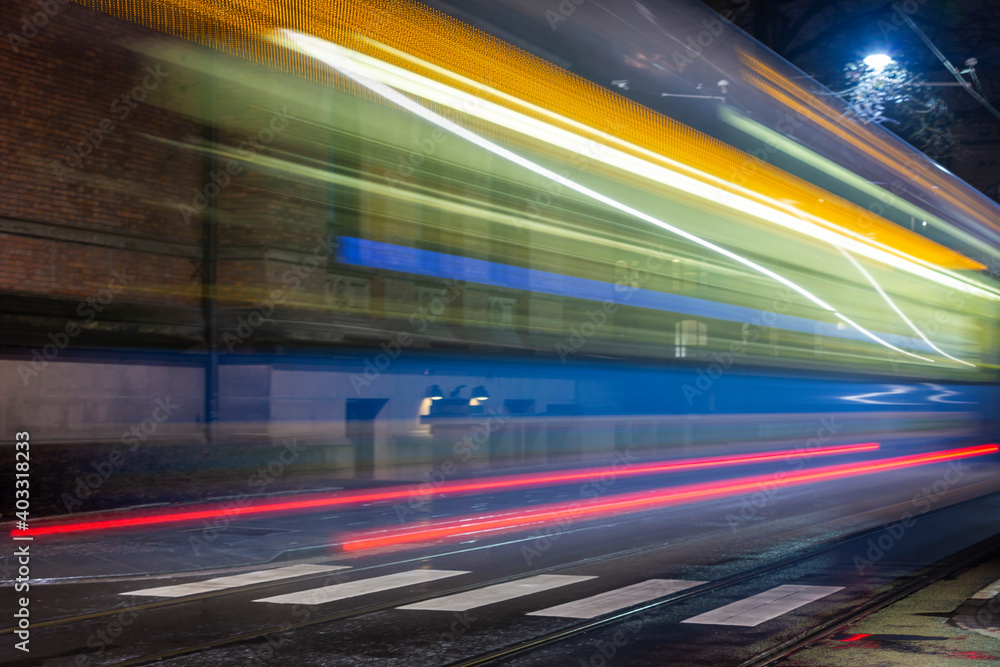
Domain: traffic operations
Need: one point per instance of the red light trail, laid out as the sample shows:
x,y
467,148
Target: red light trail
x,y
641,501
495,484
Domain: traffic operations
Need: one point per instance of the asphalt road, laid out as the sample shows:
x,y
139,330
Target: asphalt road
x,y
716,582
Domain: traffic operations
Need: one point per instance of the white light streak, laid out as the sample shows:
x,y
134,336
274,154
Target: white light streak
x,y
738,198
899,312
343,60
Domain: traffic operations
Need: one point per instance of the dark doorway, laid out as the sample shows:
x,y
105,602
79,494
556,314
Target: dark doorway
x,y
360,416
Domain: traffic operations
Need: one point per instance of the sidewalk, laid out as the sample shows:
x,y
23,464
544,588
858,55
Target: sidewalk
x,y
953,621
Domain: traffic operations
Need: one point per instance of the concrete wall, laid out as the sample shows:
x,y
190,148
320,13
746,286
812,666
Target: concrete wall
x,y
80,401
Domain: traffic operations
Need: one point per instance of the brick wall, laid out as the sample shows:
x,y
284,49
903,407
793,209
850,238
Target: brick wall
x,y
102,145
83,178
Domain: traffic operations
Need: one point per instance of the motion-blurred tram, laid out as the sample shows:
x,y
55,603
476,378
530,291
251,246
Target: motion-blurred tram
x,y
592,226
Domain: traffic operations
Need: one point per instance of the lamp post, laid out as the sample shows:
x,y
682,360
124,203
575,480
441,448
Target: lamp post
x,y
723,88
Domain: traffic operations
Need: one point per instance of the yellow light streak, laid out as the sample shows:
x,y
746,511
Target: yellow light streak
x,y
831,168
795,97
405,33
717,192
342,60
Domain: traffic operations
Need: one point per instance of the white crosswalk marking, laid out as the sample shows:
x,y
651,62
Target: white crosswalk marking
x,y
756,609
352,589
604,603
497,593
235,581
987,593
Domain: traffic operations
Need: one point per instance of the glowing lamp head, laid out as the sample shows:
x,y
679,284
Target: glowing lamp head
x,y
878,61
434,393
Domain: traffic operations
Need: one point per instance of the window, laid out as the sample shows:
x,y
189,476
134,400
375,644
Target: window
x,y
501,312
347,293
687,275
688,333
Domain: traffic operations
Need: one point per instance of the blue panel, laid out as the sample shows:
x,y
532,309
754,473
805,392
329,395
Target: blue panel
x,y
374,254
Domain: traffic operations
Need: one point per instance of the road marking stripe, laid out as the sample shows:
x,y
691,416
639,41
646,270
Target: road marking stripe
x,y
989,592
497,593
220,583
352,589
756,609
604,603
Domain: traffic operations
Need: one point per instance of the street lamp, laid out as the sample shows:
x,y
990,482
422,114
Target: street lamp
x,y
877,61
882,90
